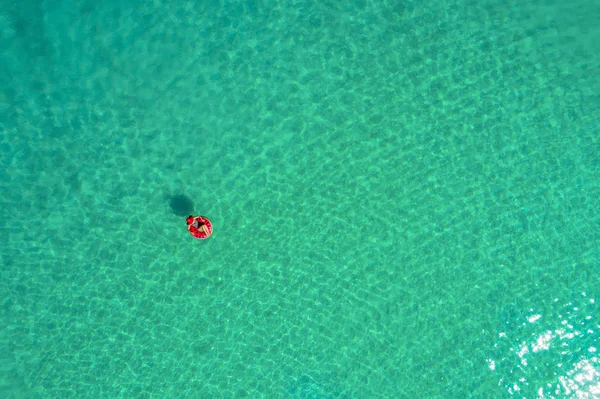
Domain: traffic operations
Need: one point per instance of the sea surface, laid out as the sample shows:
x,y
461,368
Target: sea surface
x,y
404,195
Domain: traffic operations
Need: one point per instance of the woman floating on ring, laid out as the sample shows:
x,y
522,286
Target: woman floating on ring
x,y
199,226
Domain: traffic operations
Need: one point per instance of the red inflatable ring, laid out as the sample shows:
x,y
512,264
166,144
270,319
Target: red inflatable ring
x,y
199,227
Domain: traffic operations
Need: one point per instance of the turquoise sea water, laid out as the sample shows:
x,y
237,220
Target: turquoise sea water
x,y
405,199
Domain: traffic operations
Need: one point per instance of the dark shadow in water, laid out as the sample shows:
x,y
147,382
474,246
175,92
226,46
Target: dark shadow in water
x,y
181,205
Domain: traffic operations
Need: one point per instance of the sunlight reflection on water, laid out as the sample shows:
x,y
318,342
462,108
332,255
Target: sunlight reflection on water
x,y
550,354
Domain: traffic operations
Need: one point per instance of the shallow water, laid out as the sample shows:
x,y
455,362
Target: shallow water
x,y
404,199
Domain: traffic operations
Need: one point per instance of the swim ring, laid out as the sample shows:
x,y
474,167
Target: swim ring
x,y
199,227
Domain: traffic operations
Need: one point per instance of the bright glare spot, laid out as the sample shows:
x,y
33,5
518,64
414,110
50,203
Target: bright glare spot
x,y
534,318
543,342
583,380
522,352
556,356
